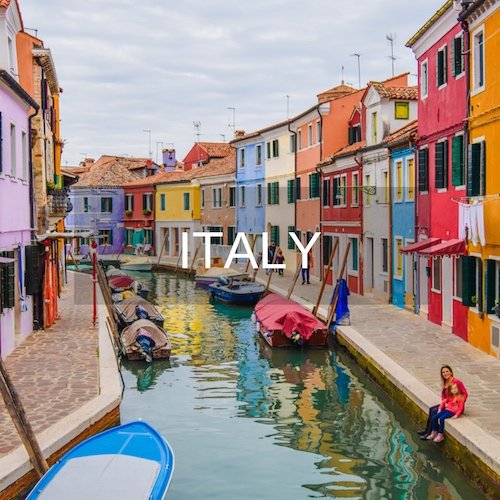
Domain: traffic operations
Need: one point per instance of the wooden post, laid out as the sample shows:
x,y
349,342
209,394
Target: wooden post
x,y
294,281
74,260
177,264
271,271
162,247
333,305
333,251
253,248
194,256
18,415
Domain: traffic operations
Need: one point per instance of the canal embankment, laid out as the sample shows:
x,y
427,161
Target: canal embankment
x,y
68,381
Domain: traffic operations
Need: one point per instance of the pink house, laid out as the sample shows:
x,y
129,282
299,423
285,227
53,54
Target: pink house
x,y
441,144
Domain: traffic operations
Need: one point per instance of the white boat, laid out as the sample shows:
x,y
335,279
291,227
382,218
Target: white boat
x,y
137,264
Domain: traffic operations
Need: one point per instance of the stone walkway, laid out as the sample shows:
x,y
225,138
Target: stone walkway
x,y
55,371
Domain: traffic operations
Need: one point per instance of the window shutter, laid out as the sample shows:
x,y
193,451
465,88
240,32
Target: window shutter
x,y
291,243
275,235
441,163
8,282
336,182
482,169
445,64
437,69
269,193
298,190
277,193
473,170
490,286
34,269
423,170
457,160
268,150
291,190
452,57
351,135
326,193
468,280
103,204
480,304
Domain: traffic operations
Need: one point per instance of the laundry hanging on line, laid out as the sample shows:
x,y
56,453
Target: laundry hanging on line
x,y
471,222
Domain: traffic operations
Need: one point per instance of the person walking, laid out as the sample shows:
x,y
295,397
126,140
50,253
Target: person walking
x,y
305,270
280,259
270,255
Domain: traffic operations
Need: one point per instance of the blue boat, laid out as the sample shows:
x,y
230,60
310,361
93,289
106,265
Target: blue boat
x,y
234,291
128,462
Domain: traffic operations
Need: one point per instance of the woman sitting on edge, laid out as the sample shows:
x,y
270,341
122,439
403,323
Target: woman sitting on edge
x,y
447,379
451,406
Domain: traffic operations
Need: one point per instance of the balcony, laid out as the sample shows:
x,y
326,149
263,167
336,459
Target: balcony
x,y
59,203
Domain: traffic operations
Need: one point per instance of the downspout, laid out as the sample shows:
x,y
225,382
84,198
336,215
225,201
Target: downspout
x,y
467,49
31,176
320,182
294,177
361,273
416,275
391,236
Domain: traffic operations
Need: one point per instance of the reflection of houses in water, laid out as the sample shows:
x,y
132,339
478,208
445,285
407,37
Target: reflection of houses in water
x,y
147,373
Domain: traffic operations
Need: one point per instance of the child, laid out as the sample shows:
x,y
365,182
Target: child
x,y
452,406
280,258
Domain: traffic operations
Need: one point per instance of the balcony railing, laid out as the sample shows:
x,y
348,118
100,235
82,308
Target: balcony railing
x,y
59,203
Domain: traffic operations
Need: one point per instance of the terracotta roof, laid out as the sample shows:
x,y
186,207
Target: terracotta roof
x,y
110,171
336,92
219,166
75,170
216,149
148,181
403,134
407,93
429,23
345,151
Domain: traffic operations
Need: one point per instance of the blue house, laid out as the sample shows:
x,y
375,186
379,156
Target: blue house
x,y
403,175
250,187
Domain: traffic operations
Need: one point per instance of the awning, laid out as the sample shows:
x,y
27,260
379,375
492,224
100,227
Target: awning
x,y
445,249
420,245
66,235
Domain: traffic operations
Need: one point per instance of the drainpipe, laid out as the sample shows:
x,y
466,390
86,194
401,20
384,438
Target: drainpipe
x,y
295,176
361,275
31,176
320,182
416,275
389,257
467,49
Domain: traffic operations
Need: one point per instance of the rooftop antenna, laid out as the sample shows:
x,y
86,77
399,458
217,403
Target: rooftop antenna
x,y
157,144
356,54
342,74
287,107
150,153
32,29
233,125
197,126
223,137
391,39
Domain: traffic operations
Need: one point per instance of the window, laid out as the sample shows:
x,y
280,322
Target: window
x,y
129,237
458,278
423,170
441,164
291,243
327,248
355,190
275,235
457,160
25,154
202,198
398,258
401,110
273,192
10,44
268,150
436,275
368,196
374,128
476,173
129,203
299,140
298,189
354,134
472,282
232,196
215,229
492,285
326,193
258,154
478,57
293,146
259,195
217,198
457,56
314,185
84,241
85,204
242,196
385,255
106,236
309,135
290,189
7,282
354,261
399,181
385,183
163,202
186,201
13,152
318,132
343,190
410,179
106,205
231,234
242,158
424,79
148,236
441,66
147,202
276,150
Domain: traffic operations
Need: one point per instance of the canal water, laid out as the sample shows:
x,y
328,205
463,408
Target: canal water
x,y
246,422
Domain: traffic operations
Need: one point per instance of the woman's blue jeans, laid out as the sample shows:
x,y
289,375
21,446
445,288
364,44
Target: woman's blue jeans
x,y
437,421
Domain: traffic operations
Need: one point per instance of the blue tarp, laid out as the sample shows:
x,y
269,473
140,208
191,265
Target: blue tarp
x,y
342,315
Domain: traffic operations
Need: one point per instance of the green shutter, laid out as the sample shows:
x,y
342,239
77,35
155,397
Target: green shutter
x,y
313,185
298,190
326,193
480,302
482,169
474,170
291,190
457,160
490,286
34,269
423,170
452,58
269,193
440,164
8,282
468,280
276,193
275,235
291,243
268,150
336,183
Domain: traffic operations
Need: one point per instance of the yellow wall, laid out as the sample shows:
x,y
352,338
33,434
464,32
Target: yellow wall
x,y
484,123
174,209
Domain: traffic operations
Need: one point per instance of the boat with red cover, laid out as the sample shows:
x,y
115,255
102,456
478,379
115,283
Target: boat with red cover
x,y
285,323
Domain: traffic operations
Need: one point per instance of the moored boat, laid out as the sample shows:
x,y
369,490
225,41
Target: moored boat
x,y
284,323
128,462
137,264
205,277
234,291
120,284
145,340
127,311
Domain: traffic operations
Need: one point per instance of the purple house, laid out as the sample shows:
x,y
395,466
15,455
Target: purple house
x,y
98,200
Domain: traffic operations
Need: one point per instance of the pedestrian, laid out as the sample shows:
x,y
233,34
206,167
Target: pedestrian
x,y
270,255
447,379
305,270
452,406
280,258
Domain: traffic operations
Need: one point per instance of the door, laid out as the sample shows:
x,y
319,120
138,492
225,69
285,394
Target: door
x,y
409,279
423,284
369,276
447,290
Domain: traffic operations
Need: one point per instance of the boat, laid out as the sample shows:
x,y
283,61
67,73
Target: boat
x,y
137,264
120,284
145,340
205,277
127,311
130,461
113,272
235,291
284,323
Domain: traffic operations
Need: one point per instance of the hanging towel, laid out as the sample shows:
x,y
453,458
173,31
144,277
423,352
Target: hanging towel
x,y
20,271
465,221
477,222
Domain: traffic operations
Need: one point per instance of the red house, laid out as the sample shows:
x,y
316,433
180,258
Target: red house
x,y
202,152
440,52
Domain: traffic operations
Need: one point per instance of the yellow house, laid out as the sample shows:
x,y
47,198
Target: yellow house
x,y
481,280
177,210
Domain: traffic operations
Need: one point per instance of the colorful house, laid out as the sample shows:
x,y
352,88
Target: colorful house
x,y
442,106
481,269
202,153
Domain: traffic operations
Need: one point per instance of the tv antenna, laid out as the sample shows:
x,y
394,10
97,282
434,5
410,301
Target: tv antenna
x,y
391,39
150,153
197,126
358,55
223,137
287,107
233,125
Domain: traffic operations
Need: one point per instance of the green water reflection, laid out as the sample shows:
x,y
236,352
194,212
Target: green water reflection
x,y
247,422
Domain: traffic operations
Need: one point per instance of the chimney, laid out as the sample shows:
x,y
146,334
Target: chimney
x,y
169,159
87,162
239,134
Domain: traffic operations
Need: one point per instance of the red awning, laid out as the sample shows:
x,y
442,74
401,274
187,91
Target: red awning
x,y
420,245
445,249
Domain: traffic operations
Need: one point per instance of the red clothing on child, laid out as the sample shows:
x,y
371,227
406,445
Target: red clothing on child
x,y
460,386
455,404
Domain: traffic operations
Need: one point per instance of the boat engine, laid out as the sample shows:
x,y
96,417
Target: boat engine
x,y
147,344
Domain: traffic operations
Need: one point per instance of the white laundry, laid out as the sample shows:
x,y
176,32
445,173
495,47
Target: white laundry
x,y
471,223
477,222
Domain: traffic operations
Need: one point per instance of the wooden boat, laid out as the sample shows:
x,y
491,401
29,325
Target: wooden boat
x,y
120,284
284,323
127,311
205,277
113,272
145,340
127,462
138,264
234,291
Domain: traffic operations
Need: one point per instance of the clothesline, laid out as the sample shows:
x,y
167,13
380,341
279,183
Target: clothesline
x,y
467,200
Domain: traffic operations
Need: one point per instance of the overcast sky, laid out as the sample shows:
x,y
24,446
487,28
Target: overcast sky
x,y
160,65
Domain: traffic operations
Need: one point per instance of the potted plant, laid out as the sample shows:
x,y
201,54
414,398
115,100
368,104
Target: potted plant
x,y
128,212
497,308
473,299
146,211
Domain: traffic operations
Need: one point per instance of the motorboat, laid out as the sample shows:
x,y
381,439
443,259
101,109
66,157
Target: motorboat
x,y
235,291
205,277
143,264
128,311
145,340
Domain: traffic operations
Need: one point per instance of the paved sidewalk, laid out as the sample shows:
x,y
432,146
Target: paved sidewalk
x,y
55,371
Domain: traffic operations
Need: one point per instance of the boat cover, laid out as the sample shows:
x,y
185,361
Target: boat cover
x,y
278,313
121,281
126,308
129,334
113,272
102,477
